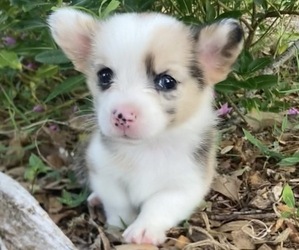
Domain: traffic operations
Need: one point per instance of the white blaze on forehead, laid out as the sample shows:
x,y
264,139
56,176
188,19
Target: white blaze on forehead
x,y
124,41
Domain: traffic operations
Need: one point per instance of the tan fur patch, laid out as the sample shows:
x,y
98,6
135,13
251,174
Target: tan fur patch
x,y
173,54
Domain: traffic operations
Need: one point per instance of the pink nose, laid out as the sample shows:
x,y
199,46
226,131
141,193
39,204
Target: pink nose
x,y
124,118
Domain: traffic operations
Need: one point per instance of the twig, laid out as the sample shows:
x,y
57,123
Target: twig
x,y
33,125
235,107
103,237
248,215
281,59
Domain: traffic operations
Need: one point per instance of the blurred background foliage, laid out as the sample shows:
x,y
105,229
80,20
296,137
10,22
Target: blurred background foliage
x,y
37,80
38,85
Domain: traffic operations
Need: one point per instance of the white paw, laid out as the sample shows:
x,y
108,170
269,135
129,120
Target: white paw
x,y
144,233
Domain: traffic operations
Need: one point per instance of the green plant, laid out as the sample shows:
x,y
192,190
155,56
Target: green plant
x,y
289,199
34,168
73,199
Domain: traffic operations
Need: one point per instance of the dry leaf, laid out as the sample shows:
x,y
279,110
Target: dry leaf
x,y
255,180
259,120
226,149
282,237
16,172
264,247
233,226
136,247
260,202
278,225
228,186
54,205
181,242
55,160
277,190
58,217
15,152
242,240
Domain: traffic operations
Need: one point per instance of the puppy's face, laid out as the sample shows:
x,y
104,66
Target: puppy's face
x,y
146,72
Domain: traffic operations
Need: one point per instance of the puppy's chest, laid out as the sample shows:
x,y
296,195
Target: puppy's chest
x,y
155,168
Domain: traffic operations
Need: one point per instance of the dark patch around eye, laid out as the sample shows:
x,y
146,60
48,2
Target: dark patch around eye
x,y
149,66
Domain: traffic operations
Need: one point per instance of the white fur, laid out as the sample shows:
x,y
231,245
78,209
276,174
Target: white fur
x,y
147,177
157,174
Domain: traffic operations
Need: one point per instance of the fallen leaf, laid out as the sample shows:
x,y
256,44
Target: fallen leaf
x,y
136,247
55,160
282,237
226,149
279,223
181,242
15,152
264,247
54,205
255,180
260,202
16,172
58,217
242,240
259,120
228,186
277,190
232,226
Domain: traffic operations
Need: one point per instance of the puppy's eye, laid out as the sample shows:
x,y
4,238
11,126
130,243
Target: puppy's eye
x,y
105,78
165,82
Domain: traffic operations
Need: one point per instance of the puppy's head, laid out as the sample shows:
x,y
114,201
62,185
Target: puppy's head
x,y
146,72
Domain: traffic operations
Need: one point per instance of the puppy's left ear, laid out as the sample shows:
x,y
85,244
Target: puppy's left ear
x,y
218,46
73,31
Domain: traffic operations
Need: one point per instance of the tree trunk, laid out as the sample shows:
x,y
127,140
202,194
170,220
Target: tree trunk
x,y
24,224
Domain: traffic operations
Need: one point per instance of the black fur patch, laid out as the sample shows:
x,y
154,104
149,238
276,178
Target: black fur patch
x,y
149,66
202,152
196,72
235,36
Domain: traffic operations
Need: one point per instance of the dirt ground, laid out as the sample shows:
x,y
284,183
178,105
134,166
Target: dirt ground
x,y
244,209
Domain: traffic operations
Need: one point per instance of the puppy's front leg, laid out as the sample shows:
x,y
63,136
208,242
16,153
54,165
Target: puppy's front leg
x,y
159,213
117,206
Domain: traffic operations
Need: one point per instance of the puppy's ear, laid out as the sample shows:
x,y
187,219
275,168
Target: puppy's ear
x,y
73,31
218,46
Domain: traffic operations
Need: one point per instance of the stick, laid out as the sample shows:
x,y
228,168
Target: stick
x,y
24,224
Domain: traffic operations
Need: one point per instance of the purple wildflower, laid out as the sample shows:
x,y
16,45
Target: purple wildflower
x,y
30,66
224,110
54,127
293,111
38,108
8,40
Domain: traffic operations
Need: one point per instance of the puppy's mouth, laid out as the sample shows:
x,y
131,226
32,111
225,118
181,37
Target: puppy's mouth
x,y
121,138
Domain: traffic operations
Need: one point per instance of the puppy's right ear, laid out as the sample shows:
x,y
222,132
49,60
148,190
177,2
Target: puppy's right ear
x,y
73,31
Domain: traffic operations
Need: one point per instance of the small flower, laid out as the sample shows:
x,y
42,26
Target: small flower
x,y
54,127
224,110
38,108
30,66
8,40
293,111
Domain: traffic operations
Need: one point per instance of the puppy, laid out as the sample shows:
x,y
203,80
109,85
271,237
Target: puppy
x,y
152,159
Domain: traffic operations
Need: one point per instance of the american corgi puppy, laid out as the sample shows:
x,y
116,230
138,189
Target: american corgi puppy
x,y
152,158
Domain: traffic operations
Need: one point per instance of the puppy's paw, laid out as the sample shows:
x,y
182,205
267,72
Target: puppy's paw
x,y
144,233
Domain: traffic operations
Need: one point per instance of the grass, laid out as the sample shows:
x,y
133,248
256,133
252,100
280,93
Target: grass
x,y
41,96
